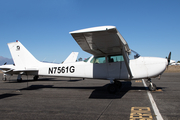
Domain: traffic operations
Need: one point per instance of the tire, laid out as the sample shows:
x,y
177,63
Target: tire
x,y
36,77
19,80
4,79
112,88
118,84
152,87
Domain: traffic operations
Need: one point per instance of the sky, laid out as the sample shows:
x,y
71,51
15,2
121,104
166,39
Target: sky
x,y
150,27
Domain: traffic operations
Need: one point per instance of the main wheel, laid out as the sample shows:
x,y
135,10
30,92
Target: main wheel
x,y
112,88
4,79
152,87
36,77
118,83
19,80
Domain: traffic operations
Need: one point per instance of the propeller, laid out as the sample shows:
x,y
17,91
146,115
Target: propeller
x,y
169,58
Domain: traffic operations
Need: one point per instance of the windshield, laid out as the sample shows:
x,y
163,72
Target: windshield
x,y
133,55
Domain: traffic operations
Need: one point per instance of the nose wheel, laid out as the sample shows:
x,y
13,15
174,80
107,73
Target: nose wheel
x,y
152,86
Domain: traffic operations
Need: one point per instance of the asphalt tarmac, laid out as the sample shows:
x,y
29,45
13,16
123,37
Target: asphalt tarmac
x,y
78,99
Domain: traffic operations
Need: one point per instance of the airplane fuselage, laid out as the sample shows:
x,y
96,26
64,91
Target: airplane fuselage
x,y
142,67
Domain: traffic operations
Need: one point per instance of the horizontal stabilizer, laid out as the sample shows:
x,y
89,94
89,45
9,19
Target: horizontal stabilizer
x,y
7,67
25,70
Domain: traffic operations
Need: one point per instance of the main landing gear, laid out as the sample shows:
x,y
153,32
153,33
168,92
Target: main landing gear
x,y
114,86
36,77
4,77
152,86
19,79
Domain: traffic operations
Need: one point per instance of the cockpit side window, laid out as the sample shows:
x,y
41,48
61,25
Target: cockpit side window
x,y
115,58
99,60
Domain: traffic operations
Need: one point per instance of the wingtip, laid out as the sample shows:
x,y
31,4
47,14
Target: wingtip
x,y
92,29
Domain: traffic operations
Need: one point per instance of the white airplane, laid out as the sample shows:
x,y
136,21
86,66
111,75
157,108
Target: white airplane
x,y
177,63
172,62
110,60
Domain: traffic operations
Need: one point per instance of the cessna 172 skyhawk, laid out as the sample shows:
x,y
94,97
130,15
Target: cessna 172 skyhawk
x,y
110,60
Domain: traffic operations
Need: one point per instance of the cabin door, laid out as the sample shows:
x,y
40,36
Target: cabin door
x,y
114,66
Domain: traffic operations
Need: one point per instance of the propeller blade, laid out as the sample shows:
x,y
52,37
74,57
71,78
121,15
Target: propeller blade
x,y
169,58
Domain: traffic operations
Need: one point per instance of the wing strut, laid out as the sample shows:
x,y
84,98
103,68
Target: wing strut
x,y
126,61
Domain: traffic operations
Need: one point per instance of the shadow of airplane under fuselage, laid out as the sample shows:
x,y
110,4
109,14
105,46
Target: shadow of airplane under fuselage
x,y
99,92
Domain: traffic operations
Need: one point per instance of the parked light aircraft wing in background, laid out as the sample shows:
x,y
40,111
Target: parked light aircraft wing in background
x,y
71,58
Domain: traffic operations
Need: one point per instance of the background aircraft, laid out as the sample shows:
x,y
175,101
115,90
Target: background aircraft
x,y
172,62
110,60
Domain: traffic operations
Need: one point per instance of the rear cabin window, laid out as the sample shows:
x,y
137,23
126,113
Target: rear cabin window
x,y
115,58
86,59
98,60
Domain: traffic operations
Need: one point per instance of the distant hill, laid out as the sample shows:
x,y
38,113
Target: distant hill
x,y
4,60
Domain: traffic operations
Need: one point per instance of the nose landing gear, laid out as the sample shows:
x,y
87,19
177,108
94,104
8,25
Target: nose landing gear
x,y
152,86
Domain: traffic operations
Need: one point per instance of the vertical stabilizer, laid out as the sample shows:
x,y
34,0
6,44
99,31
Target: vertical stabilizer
x,y
21,56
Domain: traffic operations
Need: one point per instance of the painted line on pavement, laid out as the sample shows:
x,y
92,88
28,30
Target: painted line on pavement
x,y
140,113
154,106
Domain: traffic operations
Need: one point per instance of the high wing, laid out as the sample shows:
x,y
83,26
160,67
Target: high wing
x,y
102,40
